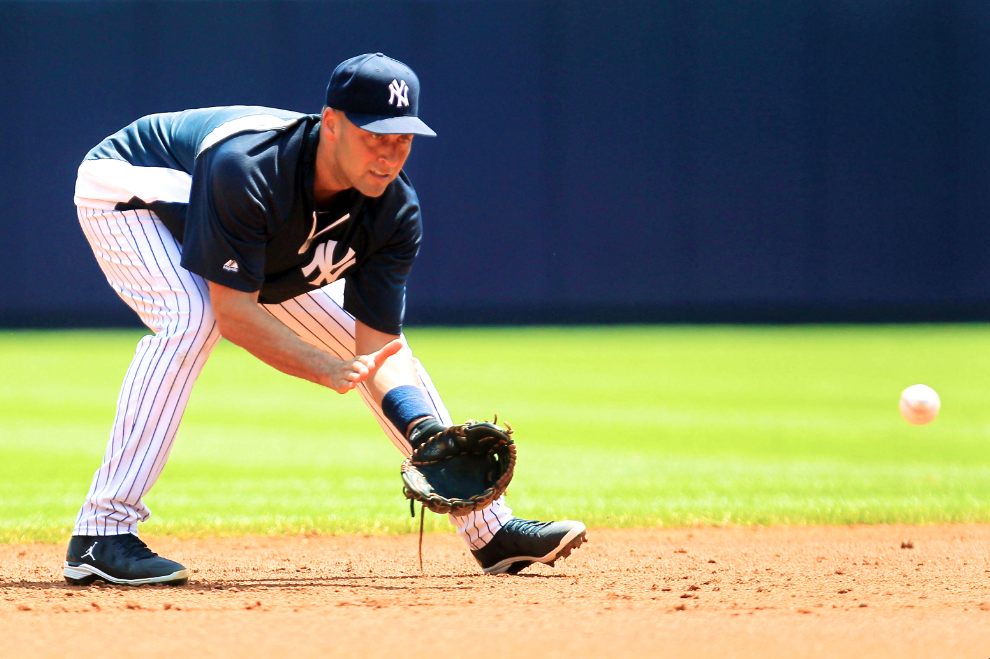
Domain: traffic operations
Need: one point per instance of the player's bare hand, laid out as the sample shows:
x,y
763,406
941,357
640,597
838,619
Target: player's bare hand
x,y
349,374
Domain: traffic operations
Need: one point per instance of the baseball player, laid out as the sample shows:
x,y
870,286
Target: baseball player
x,y
292,236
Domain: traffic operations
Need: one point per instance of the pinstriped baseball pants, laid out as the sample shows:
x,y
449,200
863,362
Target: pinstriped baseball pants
x,y
140,259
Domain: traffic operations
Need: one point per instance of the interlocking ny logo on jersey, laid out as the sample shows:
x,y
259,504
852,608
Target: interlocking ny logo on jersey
x,y
329,271
399,96
323,261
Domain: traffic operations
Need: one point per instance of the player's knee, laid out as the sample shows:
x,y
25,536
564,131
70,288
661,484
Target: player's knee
x,y
194,329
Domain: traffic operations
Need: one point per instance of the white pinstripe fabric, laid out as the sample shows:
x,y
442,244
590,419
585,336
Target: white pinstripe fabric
x,y
140,259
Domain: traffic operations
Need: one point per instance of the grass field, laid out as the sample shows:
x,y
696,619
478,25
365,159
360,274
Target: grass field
x,y
623,426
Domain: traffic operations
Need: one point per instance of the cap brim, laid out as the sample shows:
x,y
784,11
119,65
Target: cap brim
x,y
386,125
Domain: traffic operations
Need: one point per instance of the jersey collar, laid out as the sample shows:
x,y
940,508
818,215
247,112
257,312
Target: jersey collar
x,y
308,162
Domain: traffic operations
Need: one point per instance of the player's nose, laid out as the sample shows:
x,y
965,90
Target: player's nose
x,y
389,155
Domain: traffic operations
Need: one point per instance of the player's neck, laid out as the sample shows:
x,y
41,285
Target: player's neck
x,y
328,180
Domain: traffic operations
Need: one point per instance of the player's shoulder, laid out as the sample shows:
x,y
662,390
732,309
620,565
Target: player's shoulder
x,y
177,139
206,127
216,127
250,140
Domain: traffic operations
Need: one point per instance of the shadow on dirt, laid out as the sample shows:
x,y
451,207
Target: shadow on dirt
x,y
406,582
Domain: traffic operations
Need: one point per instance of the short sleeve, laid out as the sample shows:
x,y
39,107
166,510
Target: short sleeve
x,y
226,224
375,293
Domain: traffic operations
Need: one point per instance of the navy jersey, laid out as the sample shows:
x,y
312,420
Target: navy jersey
x,y
234,185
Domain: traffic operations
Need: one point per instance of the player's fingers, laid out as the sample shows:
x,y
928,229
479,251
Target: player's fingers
x,y
361,367
357,372
387,351
343,386
367,360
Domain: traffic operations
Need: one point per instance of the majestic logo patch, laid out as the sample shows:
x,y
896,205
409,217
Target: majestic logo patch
x,y
231,266
399,94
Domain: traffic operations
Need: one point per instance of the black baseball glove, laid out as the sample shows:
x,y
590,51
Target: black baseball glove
x,y
458,469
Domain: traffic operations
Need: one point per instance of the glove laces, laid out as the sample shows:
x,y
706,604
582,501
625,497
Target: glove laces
x,y
422,518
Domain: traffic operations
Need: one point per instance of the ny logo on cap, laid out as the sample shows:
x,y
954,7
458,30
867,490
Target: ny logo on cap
x,y
399,94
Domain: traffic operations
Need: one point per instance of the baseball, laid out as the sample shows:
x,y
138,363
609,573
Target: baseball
x,y
919,404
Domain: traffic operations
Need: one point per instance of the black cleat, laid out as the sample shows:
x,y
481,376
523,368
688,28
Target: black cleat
x,y
118,559
522,542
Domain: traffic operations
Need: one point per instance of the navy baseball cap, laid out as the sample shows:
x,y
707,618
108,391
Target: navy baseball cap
x,y
378,94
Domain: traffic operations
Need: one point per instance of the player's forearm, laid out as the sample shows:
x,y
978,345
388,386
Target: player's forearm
x,y
245,323
279,347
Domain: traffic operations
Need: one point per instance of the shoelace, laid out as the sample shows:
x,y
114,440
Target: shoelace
x,y
132,547
528,525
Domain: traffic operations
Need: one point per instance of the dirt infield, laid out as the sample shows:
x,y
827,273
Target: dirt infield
x,y
734,592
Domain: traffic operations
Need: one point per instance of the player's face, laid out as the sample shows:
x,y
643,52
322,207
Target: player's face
x,y
370,161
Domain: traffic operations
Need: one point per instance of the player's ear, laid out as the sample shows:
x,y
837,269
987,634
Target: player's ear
x,y
330,124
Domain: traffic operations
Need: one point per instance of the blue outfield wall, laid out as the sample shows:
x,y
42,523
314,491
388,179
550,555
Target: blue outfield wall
x,y
733,160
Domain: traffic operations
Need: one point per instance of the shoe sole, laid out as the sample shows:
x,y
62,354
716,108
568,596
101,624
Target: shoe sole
x,y
81,574
574,539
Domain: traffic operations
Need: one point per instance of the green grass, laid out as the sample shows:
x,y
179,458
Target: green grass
x,y
625,426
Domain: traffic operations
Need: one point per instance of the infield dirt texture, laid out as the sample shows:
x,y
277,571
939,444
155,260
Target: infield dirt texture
x,y
750,492
703,593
